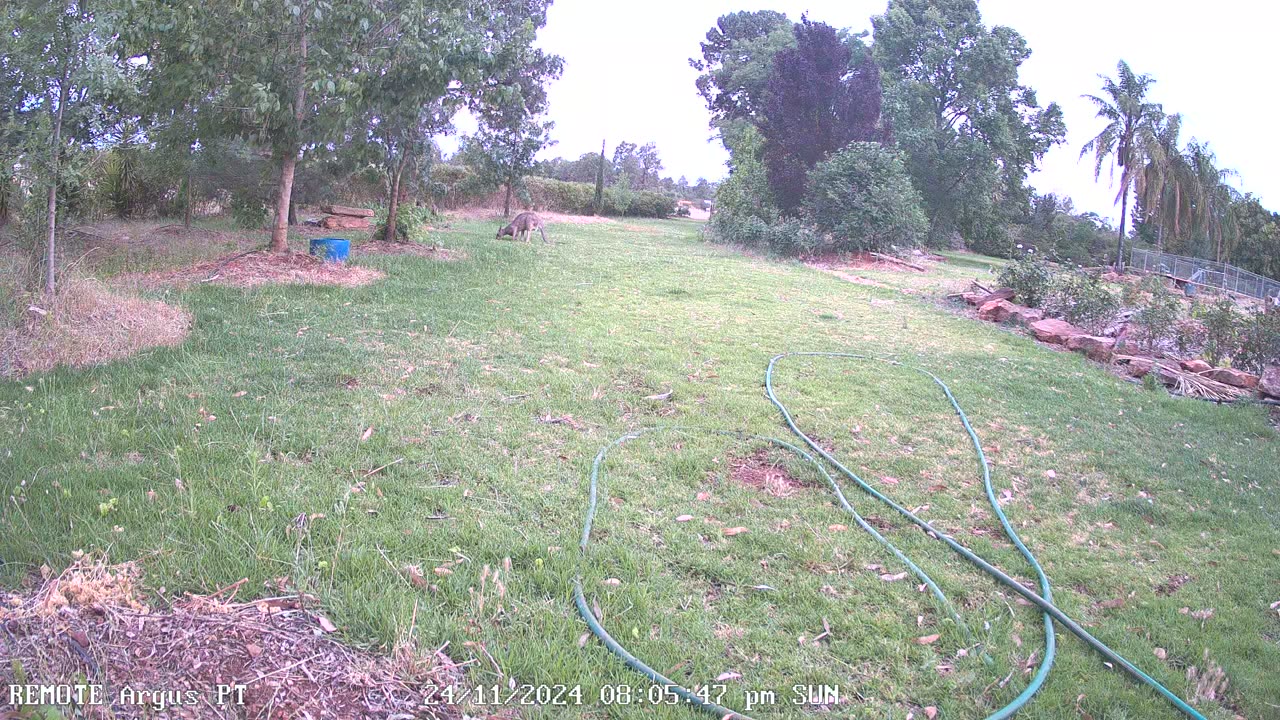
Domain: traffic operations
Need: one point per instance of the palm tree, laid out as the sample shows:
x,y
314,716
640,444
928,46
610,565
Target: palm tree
x,y
1129,137
1167,184
1214,201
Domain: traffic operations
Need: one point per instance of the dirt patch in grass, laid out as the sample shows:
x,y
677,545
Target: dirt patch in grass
x,y
381,247
758,471
92,624
88,324
260,267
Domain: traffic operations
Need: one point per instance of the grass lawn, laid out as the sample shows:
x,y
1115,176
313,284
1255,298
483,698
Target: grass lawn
x,y
483,389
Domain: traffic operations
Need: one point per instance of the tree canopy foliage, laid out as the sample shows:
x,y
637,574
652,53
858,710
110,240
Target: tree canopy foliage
x,y
970,130
821,95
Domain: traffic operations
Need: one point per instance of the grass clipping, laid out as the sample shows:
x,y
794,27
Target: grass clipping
x,y
90,625
88,324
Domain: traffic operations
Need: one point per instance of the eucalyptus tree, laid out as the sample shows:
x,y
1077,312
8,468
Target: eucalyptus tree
x,y
510,98
281,74
1129,139
59,74
970,129
737,59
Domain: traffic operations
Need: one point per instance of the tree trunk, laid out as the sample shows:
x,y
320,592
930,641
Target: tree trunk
x,y
55,153
293,213
289,158
186,216
284,193
506,202
393,204
1124,214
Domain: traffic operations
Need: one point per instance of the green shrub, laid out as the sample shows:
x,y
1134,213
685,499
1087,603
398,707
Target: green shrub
x,y
574,198
651,203
1189,335
1029,277
862,196
1222,324
410,219
248,212
1157,311
1083,300
1260,344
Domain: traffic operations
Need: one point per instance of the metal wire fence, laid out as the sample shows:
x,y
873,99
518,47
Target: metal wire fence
x,y
1207,272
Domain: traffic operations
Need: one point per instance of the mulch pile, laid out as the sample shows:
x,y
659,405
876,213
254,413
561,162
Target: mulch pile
x,y
90,625
261,267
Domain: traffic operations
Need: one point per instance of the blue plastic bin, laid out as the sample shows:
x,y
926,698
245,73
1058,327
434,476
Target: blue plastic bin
x,y
331,249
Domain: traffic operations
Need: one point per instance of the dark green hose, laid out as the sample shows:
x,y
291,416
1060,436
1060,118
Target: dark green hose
x,y
1043,600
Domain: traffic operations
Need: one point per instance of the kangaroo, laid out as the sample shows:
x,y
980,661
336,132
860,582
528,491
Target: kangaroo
x,y
526,223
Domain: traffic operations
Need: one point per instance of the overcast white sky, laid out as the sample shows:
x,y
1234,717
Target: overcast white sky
x,y
627,76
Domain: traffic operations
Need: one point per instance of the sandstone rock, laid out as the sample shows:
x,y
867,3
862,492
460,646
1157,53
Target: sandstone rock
x,y
973,298
1196,366
1139,367
1098,349
347,211
1026,315
1233,377
1055,331
996,310
1005,311
343,222
1269,384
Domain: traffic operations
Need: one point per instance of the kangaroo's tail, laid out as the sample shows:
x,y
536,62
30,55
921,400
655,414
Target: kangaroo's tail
x,y
544,234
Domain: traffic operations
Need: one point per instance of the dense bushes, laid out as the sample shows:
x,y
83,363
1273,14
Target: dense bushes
x,y
862,197
1029,277
1157,309
1260,342
859,199
1082,300
410,219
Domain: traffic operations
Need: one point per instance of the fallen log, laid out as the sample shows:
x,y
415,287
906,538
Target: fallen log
x,y
899,261
342,222
346,211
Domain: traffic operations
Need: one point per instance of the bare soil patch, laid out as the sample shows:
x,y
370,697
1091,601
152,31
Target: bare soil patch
x,y
92,624
758,471
381,247
260,267
88,324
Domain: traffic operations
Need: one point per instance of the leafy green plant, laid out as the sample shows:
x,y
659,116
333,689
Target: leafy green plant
x,y
410,219
1223,325
248,212
1082,299
863,198
1157,313
1260,342
1029,277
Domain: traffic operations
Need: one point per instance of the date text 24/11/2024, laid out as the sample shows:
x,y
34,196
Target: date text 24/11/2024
x,y
623,694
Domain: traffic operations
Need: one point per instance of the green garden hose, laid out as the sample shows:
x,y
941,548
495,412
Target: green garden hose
x,y
1043,600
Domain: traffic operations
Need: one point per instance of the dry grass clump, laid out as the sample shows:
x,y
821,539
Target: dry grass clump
x,y
261,267
88,324
90,624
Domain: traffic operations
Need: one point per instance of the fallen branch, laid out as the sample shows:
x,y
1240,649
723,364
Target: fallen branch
x,y
899,261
